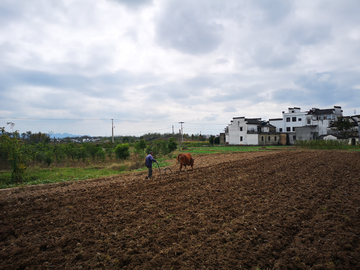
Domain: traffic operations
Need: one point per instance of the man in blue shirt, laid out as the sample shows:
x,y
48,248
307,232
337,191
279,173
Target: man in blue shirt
x,y
148,162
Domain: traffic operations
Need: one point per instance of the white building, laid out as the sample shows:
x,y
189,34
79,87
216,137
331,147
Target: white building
x,y
292,119
294,125
250,131
307,125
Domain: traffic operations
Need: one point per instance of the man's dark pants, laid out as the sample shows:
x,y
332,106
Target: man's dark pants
x,y
150,172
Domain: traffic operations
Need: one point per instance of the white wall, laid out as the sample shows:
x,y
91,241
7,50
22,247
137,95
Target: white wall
x,y
253,139
279,124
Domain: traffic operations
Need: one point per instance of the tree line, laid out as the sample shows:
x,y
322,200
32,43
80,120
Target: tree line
x,y
18,153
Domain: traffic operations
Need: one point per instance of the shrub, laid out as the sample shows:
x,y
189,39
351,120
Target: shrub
x,y
49,158
81,153
140,146
92,149
100,154
154,148
59,152
122,151
71,150
40,157
15,155
172,145
163,148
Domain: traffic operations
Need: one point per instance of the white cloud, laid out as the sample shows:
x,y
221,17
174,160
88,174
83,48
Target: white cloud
x,y
151,64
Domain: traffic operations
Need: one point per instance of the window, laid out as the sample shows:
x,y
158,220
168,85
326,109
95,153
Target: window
x,y
275,138
241,138
294,137
308,121
294,119
299,119
241,128
293,129
287,119
280,129
269,138
288,129
262,138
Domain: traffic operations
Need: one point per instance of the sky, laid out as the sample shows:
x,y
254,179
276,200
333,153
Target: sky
x,y
71,66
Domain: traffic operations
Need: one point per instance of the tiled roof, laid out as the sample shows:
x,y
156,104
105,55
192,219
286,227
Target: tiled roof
x,y
255,121
276,119
321,111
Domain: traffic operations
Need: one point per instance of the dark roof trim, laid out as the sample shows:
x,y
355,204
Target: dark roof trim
x,y
276,119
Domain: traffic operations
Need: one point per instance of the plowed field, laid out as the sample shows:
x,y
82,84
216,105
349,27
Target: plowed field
x,y
266,210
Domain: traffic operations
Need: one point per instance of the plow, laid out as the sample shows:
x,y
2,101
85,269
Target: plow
x,y
166,170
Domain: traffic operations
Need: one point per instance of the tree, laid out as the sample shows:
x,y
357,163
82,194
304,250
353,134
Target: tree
x,y
81,153
122,151
154,148
15,155
109,152
70,150
92,149
59,152
172,145
140,145
100,154
163,145
344,126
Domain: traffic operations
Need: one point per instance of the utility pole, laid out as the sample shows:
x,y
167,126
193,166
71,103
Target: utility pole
x,y
112,129
182,133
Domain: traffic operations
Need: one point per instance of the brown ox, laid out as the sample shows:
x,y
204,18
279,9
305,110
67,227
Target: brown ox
x,y
186,160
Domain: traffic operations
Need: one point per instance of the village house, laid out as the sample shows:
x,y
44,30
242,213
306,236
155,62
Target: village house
x,y
306,125
251,131
294,125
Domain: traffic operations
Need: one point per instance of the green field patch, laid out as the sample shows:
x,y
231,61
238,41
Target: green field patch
x,y
37,175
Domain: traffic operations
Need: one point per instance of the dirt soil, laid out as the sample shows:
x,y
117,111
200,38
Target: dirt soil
x,y
260,210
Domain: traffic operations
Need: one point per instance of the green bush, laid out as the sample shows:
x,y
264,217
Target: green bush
x,y
122,151
49,158
322,144
109,152
154,148
100,154
71,150
15,155
172,145
81,153
91,149
140,145
59,152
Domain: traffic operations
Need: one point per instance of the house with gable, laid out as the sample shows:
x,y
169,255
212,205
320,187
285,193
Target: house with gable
x,y
251,131
294,125
306,125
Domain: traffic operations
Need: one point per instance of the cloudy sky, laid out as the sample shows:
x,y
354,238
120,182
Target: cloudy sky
x,y
73,65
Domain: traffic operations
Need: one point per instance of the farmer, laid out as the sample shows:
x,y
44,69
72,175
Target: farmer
x,y
148,162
